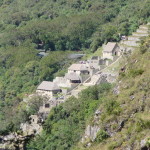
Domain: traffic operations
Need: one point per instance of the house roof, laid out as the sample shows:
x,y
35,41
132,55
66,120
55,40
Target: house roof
x,y
78,67
48,86
72,76
110,46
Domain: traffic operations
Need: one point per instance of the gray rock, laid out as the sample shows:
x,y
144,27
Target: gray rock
x,y
143,143
88,145
116,90
90,133
132,97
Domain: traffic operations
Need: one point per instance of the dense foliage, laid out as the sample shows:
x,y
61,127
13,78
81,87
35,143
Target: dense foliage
x,y
66,123
65,24
52,25
20,72
125,115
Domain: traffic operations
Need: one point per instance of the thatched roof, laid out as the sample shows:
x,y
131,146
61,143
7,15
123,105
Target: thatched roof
x,y
110,47
72,76
48,86
78,67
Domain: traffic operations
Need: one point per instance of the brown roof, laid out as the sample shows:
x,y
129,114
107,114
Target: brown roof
x,y
48,86
110,46
78,67
72,76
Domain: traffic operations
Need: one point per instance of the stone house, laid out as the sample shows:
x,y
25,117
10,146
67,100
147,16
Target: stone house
x,y
48,89
111,50
68,82
98,63
62,82
73,77
83,70
94,62
79,69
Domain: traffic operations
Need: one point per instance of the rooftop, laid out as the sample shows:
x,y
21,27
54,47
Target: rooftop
x,y
72,76
110,46
78,67
48,86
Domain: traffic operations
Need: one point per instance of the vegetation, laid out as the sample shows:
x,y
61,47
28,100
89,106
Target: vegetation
x,y
69,25
20,74
27,27
101,136
125,115
66,123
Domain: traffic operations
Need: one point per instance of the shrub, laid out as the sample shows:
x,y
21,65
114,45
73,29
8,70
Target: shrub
x,y
142,124
112,107
135,73
148,142
101,136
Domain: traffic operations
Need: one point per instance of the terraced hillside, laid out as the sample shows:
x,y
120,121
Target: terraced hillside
x,y
123,117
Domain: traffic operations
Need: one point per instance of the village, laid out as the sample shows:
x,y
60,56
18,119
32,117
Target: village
x,y
83,74
80,76
88,73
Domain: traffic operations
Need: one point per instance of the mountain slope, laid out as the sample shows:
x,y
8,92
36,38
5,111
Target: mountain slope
x,y
124,114
27,27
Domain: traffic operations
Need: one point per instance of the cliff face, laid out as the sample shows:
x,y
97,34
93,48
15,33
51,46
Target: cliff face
x,y
123,119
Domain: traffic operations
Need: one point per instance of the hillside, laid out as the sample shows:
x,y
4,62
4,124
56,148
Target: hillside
x,y
58,28
124,119
122,112
69,25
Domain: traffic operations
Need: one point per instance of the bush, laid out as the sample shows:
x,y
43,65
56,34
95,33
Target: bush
x,y
142,124
101,136
66,123
135,73
112,107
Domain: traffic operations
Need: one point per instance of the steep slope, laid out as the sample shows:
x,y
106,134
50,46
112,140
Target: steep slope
x,y
123,120
27,27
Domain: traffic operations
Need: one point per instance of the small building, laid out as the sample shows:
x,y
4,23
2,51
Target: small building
x,y
48,89
73,77
98,63
111,50
94,62
62,82
79,69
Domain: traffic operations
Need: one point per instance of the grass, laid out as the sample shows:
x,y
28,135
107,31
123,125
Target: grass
x,y
98,52
135,111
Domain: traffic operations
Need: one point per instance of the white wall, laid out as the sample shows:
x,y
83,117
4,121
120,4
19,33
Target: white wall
x,y
77,72
45,93
107,55
62,82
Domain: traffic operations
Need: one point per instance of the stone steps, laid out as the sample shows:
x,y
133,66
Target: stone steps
x,y
127,48
135,38
140,34
125,45
131,43
146,27
142,31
